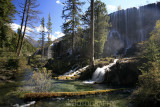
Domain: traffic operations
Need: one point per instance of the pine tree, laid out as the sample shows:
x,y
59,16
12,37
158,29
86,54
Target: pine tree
x,y
92,32
7,11
101,26
72,16
43,34
49,27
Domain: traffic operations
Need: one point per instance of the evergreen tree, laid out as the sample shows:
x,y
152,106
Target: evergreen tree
x,y
49,27
72,16
149,81
7,11
92,33
151,49
101,26
43,34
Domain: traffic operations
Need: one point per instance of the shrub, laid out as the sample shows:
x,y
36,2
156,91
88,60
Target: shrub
x,y
37,62
41,80
149,87
12,64
149,81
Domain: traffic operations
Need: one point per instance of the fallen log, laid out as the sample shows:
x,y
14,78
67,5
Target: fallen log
x,y
46,95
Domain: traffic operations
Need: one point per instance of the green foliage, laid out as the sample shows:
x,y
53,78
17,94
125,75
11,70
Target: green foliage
x,y
101,24
49,27
72,16
60,66
12,64
36,61
6,15
28,48
43,36
41,80
101,27
149,81
151,49
148,89
9,62
8,38
11,41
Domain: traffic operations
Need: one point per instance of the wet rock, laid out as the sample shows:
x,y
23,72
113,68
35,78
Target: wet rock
x,y
124,73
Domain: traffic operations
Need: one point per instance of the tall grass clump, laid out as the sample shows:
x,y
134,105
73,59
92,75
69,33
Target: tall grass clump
x,y
41,80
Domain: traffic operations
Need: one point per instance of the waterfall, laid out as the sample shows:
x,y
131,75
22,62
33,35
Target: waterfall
x,y
49,54
70,72
75,71
99,74
129,27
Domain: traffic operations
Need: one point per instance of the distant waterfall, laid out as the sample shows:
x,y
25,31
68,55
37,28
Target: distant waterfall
x,y
50,51
99,74
129,27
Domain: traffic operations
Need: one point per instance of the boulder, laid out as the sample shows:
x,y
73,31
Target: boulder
x,y
124,73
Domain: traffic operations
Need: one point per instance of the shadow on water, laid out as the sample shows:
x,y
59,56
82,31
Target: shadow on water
x,y
8,97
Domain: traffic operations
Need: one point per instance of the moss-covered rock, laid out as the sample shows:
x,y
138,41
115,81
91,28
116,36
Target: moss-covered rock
x,y
124,73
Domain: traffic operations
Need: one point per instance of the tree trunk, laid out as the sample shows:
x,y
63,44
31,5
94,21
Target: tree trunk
x,y
42,46
20,35
73,40
1,43
73,34
24,28
92,32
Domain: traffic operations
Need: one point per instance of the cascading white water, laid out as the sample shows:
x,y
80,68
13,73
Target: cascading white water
x,y
75,71
99,74
130,27
116,43
50,51
70,72
25,105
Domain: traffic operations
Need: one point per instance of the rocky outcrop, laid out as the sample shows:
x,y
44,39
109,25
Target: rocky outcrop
x,y
124,73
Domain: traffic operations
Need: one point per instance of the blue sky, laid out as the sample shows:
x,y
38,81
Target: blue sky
x,y
55,7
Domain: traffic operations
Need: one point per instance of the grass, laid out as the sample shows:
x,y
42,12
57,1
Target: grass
x,y
45,95
103,61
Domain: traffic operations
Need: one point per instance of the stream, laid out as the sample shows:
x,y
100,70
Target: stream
x,y
8,92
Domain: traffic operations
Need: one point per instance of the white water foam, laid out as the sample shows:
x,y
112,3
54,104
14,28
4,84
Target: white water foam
x,y
75,71
25,105
99,74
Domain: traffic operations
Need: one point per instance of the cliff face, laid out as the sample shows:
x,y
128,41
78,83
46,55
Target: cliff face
x,y
129,27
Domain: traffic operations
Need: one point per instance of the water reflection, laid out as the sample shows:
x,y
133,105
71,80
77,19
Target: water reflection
x,y
9,94
106,100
